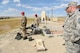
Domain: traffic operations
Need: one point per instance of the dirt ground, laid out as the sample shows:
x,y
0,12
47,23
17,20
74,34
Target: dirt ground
x,y
8,43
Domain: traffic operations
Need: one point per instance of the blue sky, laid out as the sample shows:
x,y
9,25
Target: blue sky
x,y
31,7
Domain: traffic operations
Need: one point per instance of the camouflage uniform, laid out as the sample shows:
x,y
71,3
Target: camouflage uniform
x,y
72,32
23,25
37,21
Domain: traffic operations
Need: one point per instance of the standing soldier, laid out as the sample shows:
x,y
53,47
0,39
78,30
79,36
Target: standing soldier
x,y
72,29
66,20
23,25
37,20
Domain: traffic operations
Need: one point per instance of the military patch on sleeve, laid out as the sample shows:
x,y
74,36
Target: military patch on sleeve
x,y
79,20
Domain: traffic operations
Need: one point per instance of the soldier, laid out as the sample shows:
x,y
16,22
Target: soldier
x,y
23,25
37,20
72,29
66,19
